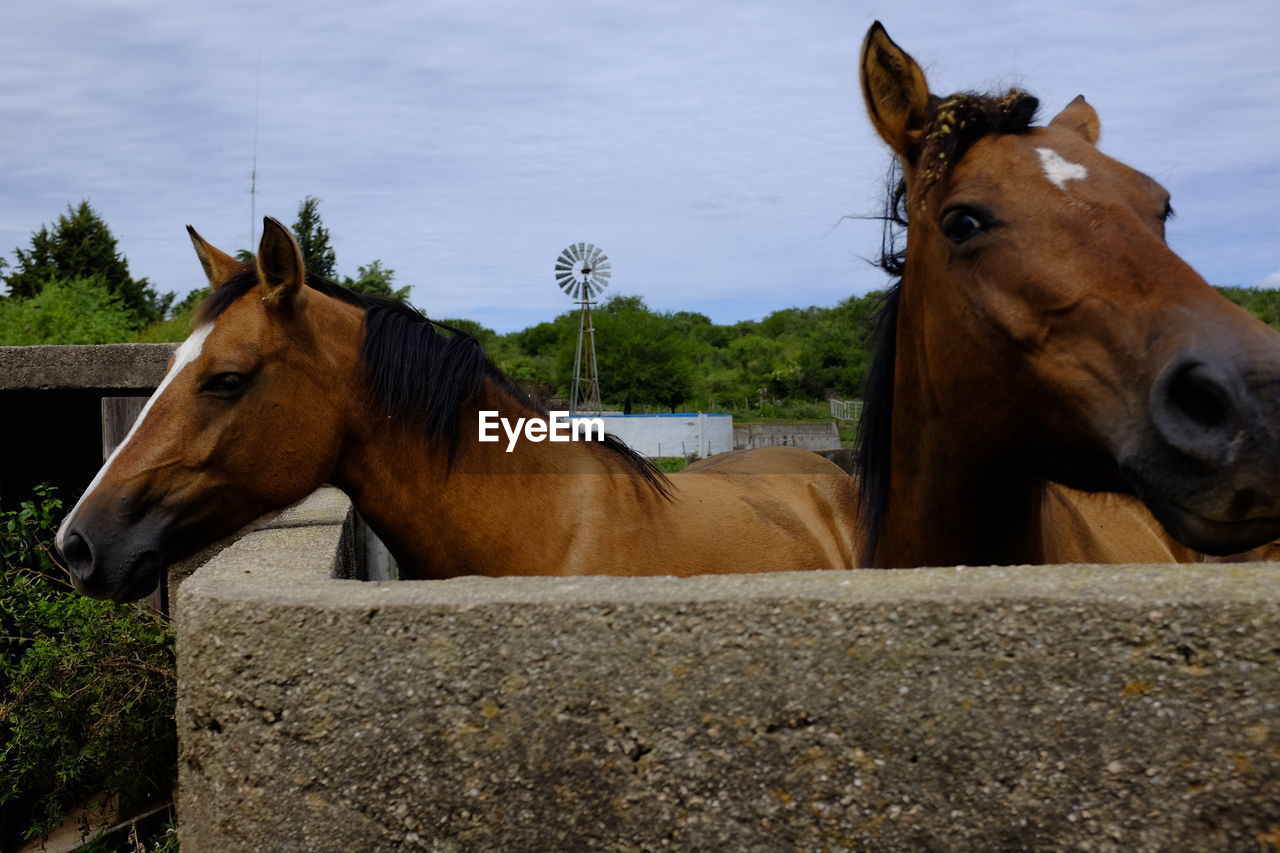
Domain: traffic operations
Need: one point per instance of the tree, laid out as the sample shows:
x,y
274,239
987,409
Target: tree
x,y
1263,303
78,247
319,257
313,240
641,355
374,279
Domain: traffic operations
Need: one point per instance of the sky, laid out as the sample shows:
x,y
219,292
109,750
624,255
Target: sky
x,y
717,151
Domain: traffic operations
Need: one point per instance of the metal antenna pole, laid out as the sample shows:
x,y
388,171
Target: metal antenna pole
x,y
253,173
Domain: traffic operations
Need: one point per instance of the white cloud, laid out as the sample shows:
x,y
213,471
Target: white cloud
x,y
1270,281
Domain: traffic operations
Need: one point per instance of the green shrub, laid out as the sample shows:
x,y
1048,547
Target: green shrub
x,y
176,328
673,464
81,311
87,688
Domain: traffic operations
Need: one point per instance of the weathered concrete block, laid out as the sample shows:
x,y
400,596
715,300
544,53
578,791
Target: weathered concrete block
x,y
1053,708
807,435
98,366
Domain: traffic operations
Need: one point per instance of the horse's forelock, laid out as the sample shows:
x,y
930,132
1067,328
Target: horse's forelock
x,y
958,121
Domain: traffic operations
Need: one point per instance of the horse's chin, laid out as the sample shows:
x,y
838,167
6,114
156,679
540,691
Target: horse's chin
x,y
1203,517
1216,537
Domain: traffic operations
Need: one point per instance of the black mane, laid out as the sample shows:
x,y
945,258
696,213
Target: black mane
x,y
954,124
419,371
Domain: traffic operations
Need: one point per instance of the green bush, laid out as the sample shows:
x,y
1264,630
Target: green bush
x,y
80,311
673,464
87,688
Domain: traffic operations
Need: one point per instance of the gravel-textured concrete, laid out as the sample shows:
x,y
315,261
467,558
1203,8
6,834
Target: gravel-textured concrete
x,y
1054,708
101,366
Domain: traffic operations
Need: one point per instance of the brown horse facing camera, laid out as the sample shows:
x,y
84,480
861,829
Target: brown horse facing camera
x,y
1042,335
290,382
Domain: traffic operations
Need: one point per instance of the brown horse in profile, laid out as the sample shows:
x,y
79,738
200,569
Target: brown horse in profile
x,y
1043,338
290,382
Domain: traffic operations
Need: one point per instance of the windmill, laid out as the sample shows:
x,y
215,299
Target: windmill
x,y
583,271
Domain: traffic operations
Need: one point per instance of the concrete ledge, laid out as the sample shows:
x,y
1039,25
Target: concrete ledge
x,y
1051,708
327,511
101,367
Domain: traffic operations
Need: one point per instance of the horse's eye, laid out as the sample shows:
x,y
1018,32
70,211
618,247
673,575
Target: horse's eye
x,y
961,223
1168,212
225,383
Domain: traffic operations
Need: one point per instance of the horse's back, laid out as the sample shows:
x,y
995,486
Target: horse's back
x,y
771,509
766,460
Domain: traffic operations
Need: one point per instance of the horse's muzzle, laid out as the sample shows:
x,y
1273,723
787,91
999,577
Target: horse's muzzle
x,y
103,569
1210,465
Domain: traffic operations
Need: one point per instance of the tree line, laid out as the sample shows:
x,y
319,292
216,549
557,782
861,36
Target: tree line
x,y
72,285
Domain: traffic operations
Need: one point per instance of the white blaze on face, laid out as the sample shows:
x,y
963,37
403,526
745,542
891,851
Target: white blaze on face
x,y
187,353
1058,169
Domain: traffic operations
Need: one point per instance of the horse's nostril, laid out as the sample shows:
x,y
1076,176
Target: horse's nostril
x,y
78,553
1198,396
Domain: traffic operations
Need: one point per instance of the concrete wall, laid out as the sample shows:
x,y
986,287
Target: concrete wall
x,y
117,367
1056,708
822,435
681,434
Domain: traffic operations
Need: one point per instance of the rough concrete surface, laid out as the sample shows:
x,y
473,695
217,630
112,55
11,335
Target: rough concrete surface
x,y
100,366
824,435
1051,708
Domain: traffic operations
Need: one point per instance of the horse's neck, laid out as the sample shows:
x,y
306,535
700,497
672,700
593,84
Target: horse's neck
x,y
946,508
960,493
958,502
491,511
990,514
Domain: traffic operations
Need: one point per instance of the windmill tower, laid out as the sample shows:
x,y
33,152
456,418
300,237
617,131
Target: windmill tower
x,y
583,271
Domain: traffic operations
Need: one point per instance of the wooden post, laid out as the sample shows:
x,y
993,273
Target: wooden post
x,y
118,415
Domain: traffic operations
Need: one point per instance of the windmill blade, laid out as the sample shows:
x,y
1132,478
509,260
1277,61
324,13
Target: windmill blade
x,y
582,271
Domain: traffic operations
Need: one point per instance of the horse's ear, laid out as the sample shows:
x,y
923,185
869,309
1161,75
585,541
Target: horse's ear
x,y
219,267
896,93
280,265
1080,118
